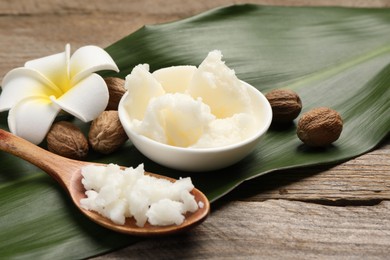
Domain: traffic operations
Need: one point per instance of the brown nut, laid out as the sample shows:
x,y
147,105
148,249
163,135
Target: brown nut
x,y
286,105
67,140
319,127
106,133
116,89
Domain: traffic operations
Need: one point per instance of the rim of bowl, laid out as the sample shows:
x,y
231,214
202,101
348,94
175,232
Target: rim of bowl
x,y
123,116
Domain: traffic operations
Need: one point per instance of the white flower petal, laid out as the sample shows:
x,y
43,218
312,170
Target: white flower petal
x,y
32,117
86,100
54,68
21,83
67,55
89,59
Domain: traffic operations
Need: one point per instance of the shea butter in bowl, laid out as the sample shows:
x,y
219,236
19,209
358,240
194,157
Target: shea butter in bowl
x,y
193,118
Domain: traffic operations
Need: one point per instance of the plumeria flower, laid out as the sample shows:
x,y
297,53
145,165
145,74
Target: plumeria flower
x,y
37,92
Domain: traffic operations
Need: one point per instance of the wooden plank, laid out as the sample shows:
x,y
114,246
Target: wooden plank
x,y
29,37
155,7
364,180
276,229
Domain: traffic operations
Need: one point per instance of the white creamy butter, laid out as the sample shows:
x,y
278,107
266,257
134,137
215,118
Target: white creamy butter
x,y
219,87
119,193
175,119
186,106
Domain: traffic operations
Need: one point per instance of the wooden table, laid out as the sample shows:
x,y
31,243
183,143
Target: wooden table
x,y
321,212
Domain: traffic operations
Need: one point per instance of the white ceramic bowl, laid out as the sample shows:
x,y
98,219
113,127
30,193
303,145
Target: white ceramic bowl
x,y
200,159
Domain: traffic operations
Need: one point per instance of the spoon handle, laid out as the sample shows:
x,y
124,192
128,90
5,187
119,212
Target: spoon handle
x,y
49,162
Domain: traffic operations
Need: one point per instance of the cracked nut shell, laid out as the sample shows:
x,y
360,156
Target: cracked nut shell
x,y
286,105
319,127
67,140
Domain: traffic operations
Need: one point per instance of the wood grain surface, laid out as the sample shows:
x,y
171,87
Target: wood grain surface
x,y
336,212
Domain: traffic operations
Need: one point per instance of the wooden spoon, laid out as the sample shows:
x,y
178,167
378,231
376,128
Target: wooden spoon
x,y
68,173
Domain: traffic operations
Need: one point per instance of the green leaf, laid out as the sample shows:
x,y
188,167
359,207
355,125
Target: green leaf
x,y
334,57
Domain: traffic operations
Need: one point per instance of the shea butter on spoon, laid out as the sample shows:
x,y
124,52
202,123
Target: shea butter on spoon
x,y
69,173
119,193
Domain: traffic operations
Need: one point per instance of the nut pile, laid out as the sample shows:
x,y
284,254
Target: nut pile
x,y
318,127
105,135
